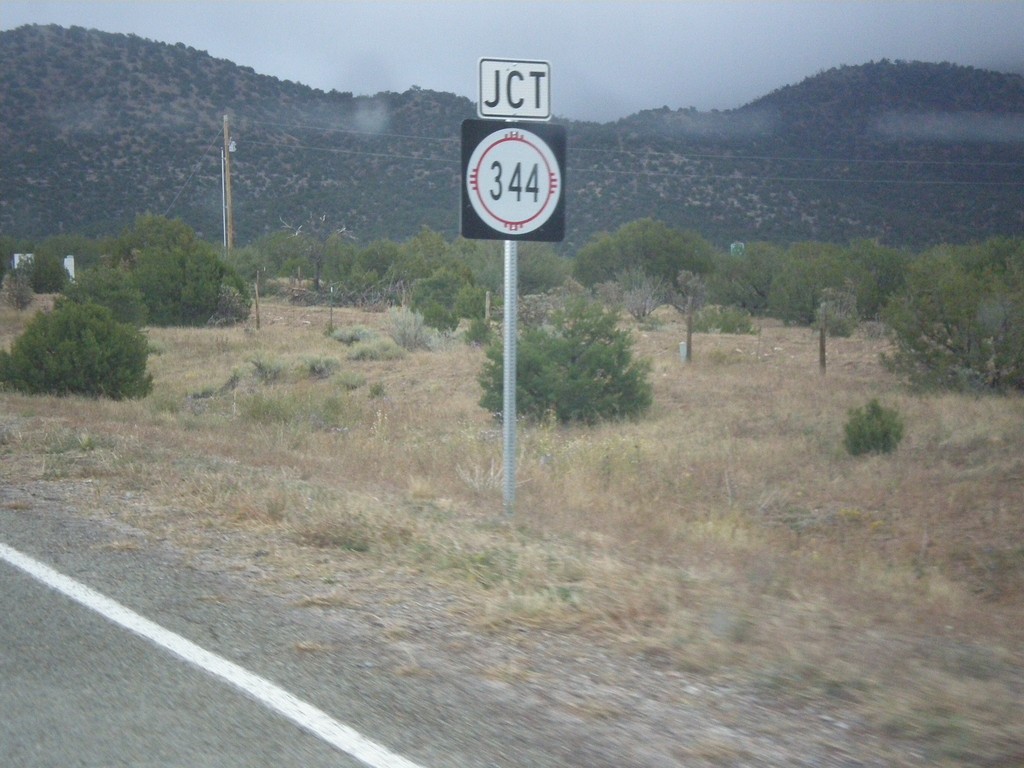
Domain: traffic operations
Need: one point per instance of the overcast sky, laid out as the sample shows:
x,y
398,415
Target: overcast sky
x,y
608,59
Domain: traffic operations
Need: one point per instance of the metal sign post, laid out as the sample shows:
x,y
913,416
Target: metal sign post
x,y
512,190
508,413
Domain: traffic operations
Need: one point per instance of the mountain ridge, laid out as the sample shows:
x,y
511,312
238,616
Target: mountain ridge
x,y
96,128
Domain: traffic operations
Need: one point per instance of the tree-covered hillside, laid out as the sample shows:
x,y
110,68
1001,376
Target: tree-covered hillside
x,y
96,128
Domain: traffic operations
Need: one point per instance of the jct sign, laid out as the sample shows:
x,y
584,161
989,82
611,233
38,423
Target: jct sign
x,y
515,90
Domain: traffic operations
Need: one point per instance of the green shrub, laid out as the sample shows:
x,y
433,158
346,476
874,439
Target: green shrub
x,y
436,298
873,429
283,406
581,369
17,286
743,278
48,273
110,287
78,349
471,301
267,371
350,380
716,319
268,409
540,268
648,245
352,334
478,332
320,367
960,322
801,274
179,276
439,317
377,349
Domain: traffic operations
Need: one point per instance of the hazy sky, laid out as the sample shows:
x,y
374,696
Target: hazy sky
x,y
608,59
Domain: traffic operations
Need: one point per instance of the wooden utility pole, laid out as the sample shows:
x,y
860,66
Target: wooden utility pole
x,y
229,212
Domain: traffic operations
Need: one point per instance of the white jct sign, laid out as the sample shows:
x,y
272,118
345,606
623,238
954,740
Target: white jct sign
x,y
519,90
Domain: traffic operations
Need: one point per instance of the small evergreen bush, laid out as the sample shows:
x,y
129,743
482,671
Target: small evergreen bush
x,y
48,273
471,301
959,324
478,332
179,276
435,298
580,370
873,429
78,349
110,287
439,317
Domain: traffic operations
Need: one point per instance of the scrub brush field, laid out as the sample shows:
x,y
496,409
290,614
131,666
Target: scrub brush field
x,y
726,537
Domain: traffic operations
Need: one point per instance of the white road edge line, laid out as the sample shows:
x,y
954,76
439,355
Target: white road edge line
x,y
303,714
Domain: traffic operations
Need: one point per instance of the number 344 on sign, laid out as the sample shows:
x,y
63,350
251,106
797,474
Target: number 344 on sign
x,y
513,181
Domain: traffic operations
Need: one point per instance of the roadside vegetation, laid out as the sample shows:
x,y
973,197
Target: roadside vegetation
x,y
847,536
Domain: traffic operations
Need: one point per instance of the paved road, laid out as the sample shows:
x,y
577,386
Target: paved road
x,y
78,690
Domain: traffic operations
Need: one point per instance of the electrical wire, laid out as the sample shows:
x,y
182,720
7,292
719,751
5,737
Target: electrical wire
x,y
349,131
748,177
656,153
634,173
339,151
195,169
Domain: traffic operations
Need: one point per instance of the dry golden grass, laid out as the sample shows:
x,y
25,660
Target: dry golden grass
x,y
728,533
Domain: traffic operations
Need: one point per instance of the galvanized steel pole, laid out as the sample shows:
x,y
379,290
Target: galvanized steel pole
x,y
508,417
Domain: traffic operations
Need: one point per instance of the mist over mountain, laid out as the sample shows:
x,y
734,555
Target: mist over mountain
x,y
96,128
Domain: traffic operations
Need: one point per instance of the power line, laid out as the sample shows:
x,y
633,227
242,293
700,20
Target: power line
x,y
795,159
800,179
660,174
195,169
339,151
674,155
352,132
